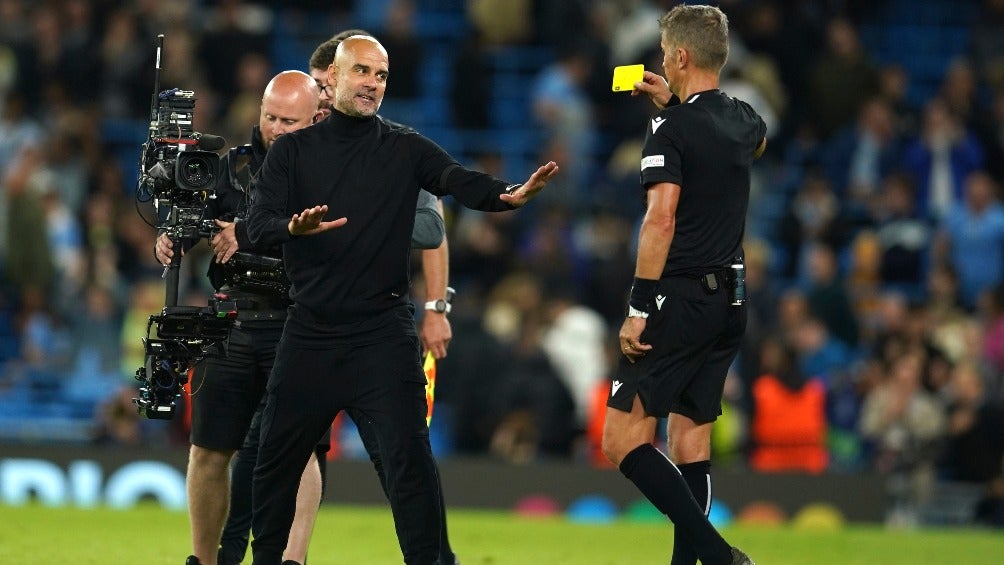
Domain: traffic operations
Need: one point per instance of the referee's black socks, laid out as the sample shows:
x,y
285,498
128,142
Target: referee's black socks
x,y
698,477
661,482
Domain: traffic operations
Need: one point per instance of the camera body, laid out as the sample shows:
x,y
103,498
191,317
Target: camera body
x,y
185,335
179,169
178,159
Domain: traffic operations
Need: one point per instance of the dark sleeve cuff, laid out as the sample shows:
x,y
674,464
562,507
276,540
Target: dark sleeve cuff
x,y
241,233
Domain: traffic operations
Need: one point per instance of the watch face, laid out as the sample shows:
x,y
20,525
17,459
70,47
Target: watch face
x,y
440,306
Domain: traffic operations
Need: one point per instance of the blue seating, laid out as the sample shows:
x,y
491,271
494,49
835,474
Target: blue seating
x,y
923,37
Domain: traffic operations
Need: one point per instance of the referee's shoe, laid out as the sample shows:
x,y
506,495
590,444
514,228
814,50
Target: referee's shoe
x,y
740,558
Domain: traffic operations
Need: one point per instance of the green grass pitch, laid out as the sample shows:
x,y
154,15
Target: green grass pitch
x,y
352,535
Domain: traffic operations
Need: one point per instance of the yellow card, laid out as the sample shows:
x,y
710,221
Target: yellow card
x,y
626,75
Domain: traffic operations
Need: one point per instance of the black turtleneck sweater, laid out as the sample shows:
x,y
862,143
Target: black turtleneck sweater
x,y
369,171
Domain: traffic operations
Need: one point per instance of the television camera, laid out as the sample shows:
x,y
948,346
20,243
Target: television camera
x,y
185,335
178,173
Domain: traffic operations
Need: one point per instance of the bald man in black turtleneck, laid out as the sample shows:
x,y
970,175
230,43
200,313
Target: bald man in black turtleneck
x,y
350,338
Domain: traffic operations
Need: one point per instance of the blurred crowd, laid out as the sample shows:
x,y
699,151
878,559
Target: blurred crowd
x,y
875,243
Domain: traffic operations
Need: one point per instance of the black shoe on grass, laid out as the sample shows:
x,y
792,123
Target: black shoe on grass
x,y
740,558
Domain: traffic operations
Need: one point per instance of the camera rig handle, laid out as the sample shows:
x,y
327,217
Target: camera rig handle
x,y
172,272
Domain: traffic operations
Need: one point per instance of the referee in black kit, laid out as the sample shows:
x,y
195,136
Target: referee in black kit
x,y
350,338
685,316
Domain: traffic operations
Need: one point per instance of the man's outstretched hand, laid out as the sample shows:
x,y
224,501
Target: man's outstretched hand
x,y
310,221
524,192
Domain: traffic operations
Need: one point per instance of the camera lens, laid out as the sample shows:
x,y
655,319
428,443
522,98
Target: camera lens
x,y
196,170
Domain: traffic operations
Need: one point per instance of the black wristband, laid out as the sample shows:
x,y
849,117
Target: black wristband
x,y
643,294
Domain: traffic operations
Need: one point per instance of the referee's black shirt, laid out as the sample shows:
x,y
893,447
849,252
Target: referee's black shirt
x,y
706,146
369,171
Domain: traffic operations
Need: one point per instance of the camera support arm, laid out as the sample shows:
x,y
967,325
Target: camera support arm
x,y
172,271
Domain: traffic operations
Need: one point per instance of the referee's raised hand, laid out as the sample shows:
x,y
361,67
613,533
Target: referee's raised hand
x,y
310,221
655,87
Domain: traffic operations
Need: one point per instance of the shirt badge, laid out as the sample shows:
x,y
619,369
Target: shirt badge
x,y
653,161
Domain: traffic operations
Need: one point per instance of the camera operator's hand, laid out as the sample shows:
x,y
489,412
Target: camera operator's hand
x,y
224,243
164,250
655,87
309,221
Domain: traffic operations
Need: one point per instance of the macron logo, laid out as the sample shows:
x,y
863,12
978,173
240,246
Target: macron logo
x,y
659,300
615,387
656,122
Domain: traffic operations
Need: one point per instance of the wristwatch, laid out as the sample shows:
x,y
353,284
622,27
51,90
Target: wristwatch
x,y
441,306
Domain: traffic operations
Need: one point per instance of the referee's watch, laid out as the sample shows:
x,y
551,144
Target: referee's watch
x,y
441,306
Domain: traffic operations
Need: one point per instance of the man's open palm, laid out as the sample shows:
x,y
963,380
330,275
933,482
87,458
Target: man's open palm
x,y
310,221
522,194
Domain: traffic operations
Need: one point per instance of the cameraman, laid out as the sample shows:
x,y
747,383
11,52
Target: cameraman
x,y
226,392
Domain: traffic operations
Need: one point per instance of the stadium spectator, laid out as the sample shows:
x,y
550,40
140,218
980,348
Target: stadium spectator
x,y
859,157
948,323
943,155
863,281
961,95
233,30
814,216
841,80
125,65
903,236
827,296
405,48
573,340
894,86
820,354
975,447
903,423
974,233
501,22
29,263
562,108
788,427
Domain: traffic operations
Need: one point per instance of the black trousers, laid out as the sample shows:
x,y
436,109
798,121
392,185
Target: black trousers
x,y
309,385
236,532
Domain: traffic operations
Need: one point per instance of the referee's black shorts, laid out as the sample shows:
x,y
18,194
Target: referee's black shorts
x,y
227,391
695,336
